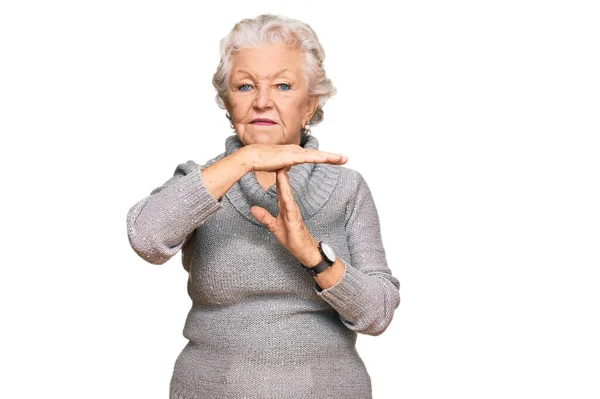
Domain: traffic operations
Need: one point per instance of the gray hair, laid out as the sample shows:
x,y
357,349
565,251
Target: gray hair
x,y
269,29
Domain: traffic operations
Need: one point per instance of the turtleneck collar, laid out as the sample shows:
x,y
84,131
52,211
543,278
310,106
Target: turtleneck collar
x,y
312,184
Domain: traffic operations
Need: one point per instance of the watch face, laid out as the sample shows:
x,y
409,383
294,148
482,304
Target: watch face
x,y
328,252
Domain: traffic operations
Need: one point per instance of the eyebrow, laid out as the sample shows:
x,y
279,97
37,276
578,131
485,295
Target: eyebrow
x,y
276,73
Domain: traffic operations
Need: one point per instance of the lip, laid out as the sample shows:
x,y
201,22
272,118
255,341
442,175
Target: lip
x,y
263,121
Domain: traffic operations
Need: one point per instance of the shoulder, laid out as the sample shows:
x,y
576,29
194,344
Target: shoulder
x,y
357,196
350,180
347,185
355,190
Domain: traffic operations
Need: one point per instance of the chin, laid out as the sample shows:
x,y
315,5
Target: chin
x,y
263,136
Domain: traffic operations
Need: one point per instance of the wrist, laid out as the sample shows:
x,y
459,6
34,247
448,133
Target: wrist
x,y
331,276
314,257
242,161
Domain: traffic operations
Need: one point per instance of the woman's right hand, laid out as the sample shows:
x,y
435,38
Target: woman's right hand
x,y
224,173
271,157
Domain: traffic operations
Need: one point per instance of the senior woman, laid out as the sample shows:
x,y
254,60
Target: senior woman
x,y
282,243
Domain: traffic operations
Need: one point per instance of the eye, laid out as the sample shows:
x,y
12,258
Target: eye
x,y
286,86
241,87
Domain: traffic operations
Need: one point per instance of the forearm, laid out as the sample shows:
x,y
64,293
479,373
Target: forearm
x,y
224,173
365,302
159,224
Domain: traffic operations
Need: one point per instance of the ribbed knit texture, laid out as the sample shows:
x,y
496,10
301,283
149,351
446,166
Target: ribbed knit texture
x,y
260,326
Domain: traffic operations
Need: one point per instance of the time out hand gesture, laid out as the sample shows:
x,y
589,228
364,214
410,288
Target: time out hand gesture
x,y
289,227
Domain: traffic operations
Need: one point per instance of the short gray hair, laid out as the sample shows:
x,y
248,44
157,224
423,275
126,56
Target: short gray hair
x,y
269,29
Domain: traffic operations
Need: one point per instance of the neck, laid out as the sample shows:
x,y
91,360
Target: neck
x,y
266,179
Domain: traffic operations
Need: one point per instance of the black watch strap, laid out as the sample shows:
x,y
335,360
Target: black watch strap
x,y
318,268
323,265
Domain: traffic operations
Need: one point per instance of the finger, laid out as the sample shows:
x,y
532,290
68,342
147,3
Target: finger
x,y
263,216
336,159
318,152
316,156
287,205
327,153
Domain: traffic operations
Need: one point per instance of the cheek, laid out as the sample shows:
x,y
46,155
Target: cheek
x,y
239,106
292,107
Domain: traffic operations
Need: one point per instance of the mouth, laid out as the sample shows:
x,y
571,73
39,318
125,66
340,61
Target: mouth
x,y
263,122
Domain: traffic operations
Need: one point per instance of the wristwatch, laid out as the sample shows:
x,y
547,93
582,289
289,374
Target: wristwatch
x,y
327,259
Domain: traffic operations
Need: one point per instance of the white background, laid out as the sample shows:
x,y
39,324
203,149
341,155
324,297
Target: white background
x,y
475,124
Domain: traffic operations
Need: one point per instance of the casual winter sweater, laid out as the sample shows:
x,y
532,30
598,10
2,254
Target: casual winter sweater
x,y
259,325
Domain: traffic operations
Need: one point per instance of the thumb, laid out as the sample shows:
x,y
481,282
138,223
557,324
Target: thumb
x,y
263,216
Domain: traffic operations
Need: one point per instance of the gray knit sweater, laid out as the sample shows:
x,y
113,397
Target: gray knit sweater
x,y
260,326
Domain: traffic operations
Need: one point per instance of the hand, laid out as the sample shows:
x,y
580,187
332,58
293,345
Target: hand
x,y
271,157
289,227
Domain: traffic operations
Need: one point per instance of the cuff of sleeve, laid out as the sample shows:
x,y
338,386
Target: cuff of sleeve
x,y
193,193
345,290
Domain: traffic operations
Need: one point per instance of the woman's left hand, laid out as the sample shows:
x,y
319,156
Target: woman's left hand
x,y
289,227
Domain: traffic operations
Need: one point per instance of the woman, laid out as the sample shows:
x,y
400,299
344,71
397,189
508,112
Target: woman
x,y
282,243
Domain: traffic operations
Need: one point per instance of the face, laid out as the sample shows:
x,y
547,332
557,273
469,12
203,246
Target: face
x,y
267,83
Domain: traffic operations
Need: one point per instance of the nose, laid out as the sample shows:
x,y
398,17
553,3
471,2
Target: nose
x,y
263,98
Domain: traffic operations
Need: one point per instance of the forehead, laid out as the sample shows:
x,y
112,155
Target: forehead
x,y
266,62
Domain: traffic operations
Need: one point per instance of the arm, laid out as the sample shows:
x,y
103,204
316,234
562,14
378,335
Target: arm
x,y
367,294
159,225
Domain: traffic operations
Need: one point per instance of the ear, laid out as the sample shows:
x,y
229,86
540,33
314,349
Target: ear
x,y
313,104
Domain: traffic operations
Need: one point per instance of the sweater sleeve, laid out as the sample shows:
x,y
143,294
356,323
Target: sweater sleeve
x,y
367,294
159,225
